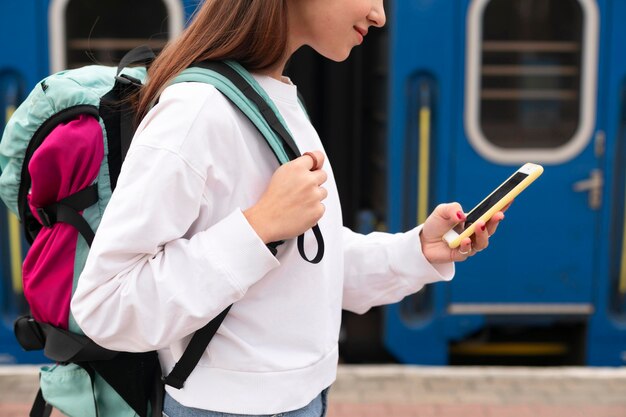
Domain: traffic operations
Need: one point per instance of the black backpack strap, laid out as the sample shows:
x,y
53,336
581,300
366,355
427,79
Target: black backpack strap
x,y
139,55
158,394
67,211
132,376
58,344
92,377
320,246
194,351
125,86
40,407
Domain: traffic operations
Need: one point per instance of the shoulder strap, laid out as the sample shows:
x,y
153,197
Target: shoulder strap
x,y
238,86
40,407
142,54
241,89
197,345
254,94
217,74
124,87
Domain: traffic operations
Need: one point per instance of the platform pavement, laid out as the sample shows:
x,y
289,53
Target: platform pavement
x,y
414,391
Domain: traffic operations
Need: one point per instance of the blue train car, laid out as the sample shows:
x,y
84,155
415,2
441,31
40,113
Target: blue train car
x,y
477,88
441,105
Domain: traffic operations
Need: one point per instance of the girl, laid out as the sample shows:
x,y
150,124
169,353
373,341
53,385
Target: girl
x,y
199,197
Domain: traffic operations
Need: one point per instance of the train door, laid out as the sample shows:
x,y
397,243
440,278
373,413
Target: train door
x,y
524,90
606,338
49,36
531,95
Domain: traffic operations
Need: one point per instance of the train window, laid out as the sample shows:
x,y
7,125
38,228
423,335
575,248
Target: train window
x,y
84,32
530,86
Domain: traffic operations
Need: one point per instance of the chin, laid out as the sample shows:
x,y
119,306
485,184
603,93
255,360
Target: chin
x,y
338,56
335,52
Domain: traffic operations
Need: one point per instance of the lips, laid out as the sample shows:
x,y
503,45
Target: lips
x,y
361,31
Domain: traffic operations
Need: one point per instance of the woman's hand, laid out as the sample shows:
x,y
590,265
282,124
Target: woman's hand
x,y
292,202
445,217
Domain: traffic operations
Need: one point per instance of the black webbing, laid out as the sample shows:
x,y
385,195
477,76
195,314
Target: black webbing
x,y
67,211
194,351
139,55
40,407
127,129
132,375
320,246
158,394
126,86
58,344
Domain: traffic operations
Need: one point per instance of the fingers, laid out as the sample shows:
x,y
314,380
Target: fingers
x,y
323,193
320,177
465,249
293,200
314,160
492,225
480,239
311,162
447,216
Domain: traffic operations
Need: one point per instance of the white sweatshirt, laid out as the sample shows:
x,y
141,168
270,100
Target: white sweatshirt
x,y
174,249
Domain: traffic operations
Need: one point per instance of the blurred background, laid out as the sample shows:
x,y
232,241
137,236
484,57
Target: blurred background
x,y
442,104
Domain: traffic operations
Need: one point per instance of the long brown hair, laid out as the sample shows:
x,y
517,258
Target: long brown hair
x,y
252,32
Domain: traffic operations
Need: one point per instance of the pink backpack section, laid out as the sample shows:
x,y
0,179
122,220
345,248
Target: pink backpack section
x,y
67,162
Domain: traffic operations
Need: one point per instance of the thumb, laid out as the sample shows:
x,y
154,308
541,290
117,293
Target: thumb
x,y
442,219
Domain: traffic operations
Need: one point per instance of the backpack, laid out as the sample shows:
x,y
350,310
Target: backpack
x,y
58,169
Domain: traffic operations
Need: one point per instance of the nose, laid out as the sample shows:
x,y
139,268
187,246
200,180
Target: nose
x,y
377,16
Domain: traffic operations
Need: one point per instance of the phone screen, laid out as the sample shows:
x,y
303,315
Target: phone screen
x,y
489,202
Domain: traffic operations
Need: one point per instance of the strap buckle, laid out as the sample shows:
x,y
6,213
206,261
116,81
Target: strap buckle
x,y
44,217
126,79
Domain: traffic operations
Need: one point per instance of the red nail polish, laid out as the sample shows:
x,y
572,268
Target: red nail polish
x,y
483,228
460,215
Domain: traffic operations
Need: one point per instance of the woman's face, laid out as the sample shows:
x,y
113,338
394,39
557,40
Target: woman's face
x,y
332,27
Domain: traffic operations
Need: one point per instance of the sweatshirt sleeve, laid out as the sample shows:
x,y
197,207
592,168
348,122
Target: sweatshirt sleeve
x,y
383,268
149,281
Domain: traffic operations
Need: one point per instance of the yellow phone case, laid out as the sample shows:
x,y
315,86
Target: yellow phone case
x,y
533,170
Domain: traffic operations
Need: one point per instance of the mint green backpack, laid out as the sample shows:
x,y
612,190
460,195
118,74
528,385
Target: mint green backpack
x,y
88,380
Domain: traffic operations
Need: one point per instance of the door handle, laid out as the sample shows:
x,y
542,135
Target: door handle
x,y
593,185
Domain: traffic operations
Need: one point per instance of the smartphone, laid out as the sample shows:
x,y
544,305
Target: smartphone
x,y
493,203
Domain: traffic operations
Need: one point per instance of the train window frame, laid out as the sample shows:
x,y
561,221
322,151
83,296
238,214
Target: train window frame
x,y
587,110
56,23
